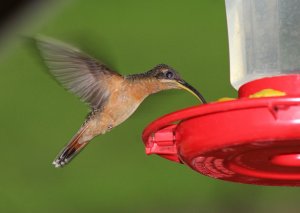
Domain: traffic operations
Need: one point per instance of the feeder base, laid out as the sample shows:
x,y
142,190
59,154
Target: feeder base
x,y
254,141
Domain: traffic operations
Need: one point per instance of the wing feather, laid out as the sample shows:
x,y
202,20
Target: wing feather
x,y
77,72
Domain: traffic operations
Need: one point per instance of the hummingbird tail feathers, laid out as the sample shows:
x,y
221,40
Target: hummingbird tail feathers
x,y
70,150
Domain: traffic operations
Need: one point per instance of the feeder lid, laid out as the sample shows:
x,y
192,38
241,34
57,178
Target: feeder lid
x,y
255,141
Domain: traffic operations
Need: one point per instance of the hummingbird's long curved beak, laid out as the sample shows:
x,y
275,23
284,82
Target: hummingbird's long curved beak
x,y
184,85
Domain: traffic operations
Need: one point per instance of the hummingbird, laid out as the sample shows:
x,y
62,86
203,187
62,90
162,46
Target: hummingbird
x,y
112,97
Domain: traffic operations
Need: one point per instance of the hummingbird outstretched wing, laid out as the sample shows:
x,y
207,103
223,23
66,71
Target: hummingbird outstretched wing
x,y
79,73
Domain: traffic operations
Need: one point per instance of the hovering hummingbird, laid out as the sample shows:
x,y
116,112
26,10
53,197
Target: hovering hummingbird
x,y
111,96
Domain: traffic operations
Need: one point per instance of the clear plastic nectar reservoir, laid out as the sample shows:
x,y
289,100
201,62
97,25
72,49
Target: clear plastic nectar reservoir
x,y
264,39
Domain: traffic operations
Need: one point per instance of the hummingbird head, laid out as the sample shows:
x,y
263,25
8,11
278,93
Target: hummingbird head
x,y
170,79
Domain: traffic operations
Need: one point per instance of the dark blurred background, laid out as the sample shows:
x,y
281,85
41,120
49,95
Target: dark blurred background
x,y
113,174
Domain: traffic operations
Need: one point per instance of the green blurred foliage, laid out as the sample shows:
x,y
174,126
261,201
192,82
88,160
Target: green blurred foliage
x,y
113,174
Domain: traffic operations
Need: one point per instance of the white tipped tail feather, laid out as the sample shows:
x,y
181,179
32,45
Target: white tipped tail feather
x,y
71,149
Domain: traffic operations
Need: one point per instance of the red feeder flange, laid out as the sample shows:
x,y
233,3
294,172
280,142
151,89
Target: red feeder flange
x,y
255,141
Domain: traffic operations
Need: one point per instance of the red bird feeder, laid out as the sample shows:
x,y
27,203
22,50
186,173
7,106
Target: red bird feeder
x,y
254,139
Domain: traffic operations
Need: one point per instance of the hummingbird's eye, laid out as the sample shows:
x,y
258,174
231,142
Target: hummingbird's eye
x,y
169,75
